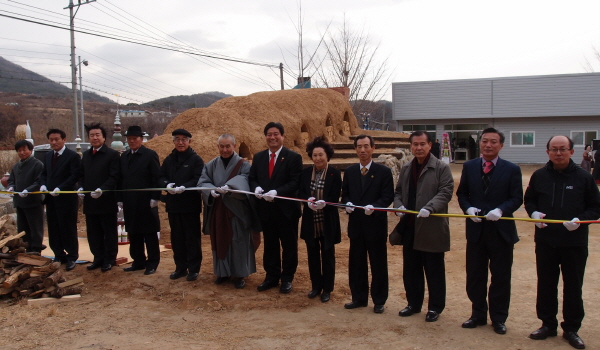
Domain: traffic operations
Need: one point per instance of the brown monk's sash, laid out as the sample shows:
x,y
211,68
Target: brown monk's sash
x,y
221,233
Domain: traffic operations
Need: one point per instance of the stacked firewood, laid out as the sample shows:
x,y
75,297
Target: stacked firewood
x,y
27,274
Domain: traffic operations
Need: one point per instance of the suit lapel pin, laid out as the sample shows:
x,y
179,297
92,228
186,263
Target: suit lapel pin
x,y
282,158
372,176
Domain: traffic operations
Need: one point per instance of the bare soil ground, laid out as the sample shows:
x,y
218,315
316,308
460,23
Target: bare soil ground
x,y
122,310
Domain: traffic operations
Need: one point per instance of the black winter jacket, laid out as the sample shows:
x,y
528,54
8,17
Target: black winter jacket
x,y
184,169
564,195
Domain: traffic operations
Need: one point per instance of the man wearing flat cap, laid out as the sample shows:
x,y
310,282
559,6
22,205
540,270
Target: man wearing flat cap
x,y
181,169
140,169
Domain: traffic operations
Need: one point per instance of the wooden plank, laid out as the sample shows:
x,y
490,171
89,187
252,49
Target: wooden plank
x,y
71,282
44,301
34,260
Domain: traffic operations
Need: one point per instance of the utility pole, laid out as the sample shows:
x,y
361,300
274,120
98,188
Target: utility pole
x,y
73,66
281,74
85,62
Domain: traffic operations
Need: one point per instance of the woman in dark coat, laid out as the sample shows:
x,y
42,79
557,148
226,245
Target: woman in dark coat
x,y
320,229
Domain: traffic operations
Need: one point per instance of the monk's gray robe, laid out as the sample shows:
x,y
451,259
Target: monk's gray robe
x,y
240,261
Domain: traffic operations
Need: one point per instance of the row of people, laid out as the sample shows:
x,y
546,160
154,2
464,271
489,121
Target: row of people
x,y
490,188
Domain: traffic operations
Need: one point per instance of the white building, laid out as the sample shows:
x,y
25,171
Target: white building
x,y
131,113
528,110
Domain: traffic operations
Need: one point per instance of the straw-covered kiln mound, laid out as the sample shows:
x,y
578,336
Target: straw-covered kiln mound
x,y
305,114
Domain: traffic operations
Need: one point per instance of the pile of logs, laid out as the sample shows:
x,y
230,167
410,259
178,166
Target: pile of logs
x,y
27,274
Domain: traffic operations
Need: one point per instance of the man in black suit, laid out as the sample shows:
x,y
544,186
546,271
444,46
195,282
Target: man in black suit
x,y
61,171
490,186
140,168
100,172
276,172
370,185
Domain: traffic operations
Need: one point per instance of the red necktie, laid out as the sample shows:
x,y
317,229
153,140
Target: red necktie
x,y
488,167
94,151
272,164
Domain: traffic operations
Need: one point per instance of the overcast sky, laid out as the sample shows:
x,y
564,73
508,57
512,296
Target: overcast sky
x,y
423,40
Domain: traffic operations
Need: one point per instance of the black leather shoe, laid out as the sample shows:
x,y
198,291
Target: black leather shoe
x,y
355,304
221,280
133,268
542,333
473,323
285,288
94,266
314,293
499,327
432,316
192,276
325,297
106,267
178,274
70,265
378,309
149,271
408,311
266,285
574,340
239,283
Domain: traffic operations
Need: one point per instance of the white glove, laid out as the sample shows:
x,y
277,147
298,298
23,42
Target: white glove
x,y
96,194
369,209
214,194
423,213
311,203
474,211
153,203
24,194
269,196
179,189
223,189
494,215
53,193
43,188
349,210
258,192
10,189
171,186
399,214
538,215
120,205
572,225
80,195
320,204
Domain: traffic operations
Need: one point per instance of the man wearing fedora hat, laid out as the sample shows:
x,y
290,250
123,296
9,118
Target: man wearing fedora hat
x,y
140,168
180,169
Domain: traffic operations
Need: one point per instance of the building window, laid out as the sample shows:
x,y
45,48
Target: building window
x,y
581,138
429,129
522,138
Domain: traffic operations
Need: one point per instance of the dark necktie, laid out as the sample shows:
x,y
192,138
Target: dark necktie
x,y
54,159
272,164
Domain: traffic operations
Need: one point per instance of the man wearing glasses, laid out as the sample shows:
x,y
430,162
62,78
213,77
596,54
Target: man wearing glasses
x,y
180,169
561,190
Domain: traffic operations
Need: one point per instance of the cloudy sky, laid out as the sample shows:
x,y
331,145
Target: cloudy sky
x,y
422,40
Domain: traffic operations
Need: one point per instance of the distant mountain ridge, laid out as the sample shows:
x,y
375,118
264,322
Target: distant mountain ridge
x,y
14,78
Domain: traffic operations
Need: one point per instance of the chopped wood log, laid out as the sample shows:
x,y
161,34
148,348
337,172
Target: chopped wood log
x,y
48,268
40,286
70,290
17,268
34,260
71,282
37,293
4,219
6,255
4,291
31,282
53,278
4,250
53,300
25,292
17,250
61,280
12,280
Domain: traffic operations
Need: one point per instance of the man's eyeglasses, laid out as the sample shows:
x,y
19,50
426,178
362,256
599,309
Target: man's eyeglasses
x,y
183,140
559,150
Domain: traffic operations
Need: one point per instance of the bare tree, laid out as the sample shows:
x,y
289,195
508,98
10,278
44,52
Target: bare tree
x,y
352,62
588,67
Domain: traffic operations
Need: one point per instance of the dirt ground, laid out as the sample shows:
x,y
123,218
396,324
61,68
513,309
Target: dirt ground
x,y
120,310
